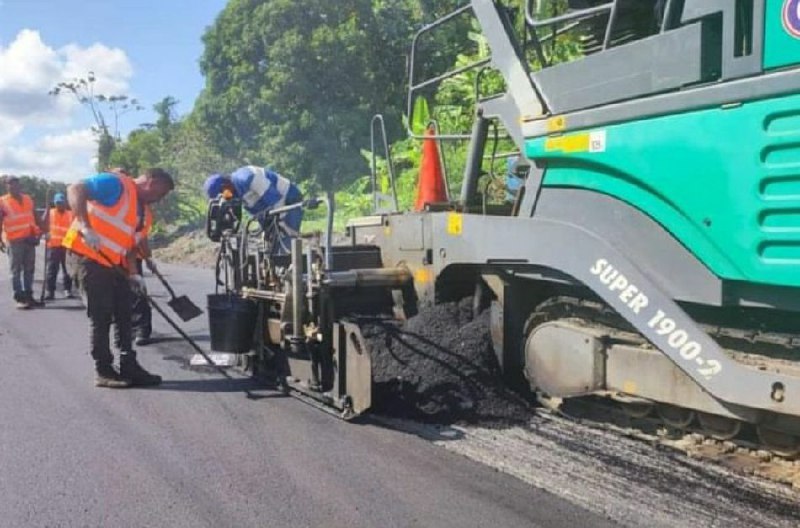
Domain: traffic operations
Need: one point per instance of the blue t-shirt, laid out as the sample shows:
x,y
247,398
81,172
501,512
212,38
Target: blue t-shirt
x,y
104,188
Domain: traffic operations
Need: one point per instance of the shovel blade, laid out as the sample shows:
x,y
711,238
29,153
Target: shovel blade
x,y
185,308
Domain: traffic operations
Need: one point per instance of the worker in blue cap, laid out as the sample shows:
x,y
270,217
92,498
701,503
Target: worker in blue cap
x,y
260,191
57,221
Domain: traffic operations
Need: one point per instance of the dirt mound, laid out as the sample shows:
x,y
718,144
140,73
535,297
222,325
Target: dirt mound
x,y
193,248
439,366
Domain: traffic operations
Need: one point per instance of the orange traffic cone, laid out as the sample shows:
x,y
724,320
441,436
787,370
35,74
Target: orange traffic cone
x,y
430,188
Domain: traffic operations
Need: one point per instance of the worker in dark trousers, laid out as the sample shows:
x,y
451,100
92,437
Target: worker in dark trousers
x,y
20,231
56,222
102,245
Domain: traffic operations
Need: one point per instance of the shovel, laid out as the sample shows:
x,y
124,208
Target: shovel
x,y
183,306
46,249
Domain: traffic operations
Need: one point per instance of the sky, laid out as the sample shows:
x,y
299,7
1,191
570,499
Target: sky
x,y
146,49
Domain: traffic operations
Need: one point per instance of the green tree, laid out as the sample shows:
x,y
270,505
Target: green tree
x,y
190,156
142,149
167,120
105,110
293,83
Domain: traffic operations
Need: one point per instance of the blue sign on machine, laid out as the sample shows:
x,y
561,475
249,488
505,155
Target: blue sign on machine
x,y
791,17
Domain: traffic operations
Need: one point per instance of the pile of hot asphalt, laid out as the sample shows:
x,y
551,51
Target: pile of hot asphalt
x,y
439,366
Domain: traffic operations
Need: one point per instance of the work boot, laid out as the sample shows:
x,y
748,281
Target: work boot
x,y
32,303
130,369
108,377
50,296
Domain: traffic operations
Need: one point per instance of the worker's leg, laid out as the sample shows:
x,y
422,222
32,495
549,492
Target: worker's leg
x,y
72,271
52,269
62,264
97,284
142,317
142,320
28,267
15,251
121,310
129,367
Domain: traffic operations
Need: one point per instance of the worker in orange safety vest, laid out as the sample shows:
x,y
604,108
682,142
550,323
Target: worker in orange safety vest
x,y
56,222
20,236
102,243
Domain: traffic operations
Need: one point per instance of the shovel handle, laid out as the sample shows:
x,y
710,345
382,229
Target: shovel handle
x,y
164,282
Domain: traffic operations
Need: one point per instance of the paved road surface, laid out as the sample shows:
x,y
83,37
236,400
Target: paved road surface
x,y
195,452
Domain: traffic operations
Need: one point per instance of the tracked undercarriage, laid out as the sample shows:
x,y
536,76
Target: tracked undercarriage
x,y
606,357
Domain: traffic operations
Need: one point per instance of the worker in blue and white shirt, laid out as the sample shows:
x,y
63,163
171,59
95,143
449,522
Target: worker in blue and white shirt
x,y
261,190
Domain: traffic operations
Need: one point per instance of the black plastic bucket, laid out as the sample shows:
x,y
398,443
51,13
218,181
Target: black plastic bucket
x,y
231,323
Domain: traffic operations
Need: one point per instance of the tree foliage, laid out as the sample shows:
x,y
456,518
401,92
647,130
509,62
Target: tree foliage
x,y
292,84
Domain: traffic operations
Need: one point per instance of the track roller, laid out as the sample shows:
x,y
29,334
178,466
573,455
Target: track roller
x,y
785,445
551,403
637,409
673,416
719,427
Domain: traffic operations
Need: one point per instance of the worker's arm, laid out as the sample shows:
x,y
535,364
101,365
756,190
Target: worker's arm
x,y
2,214
78,197
104,189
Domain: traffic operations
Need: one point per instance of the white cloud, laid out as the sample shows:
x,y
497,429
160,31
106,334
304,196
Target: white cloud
x,y
61,157
110,66
47,135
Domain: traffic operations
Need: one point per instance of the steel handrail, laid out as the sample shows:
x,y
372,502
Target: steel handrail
x,y
378,118
414,88
580,14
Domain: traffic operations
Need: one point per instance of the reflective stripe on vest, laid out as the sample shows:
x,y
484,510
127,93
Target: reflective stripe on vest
x,y
18,218
58,224
261,183
114,225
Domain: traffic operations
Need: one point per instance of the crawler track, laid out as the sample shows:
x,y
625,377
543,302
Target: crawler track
x,y
744,452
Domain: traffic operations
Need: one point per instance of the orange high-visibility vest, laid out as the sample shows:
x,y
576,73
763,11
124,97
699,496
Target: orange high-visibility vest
x,y
115,225
18,218
58,224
